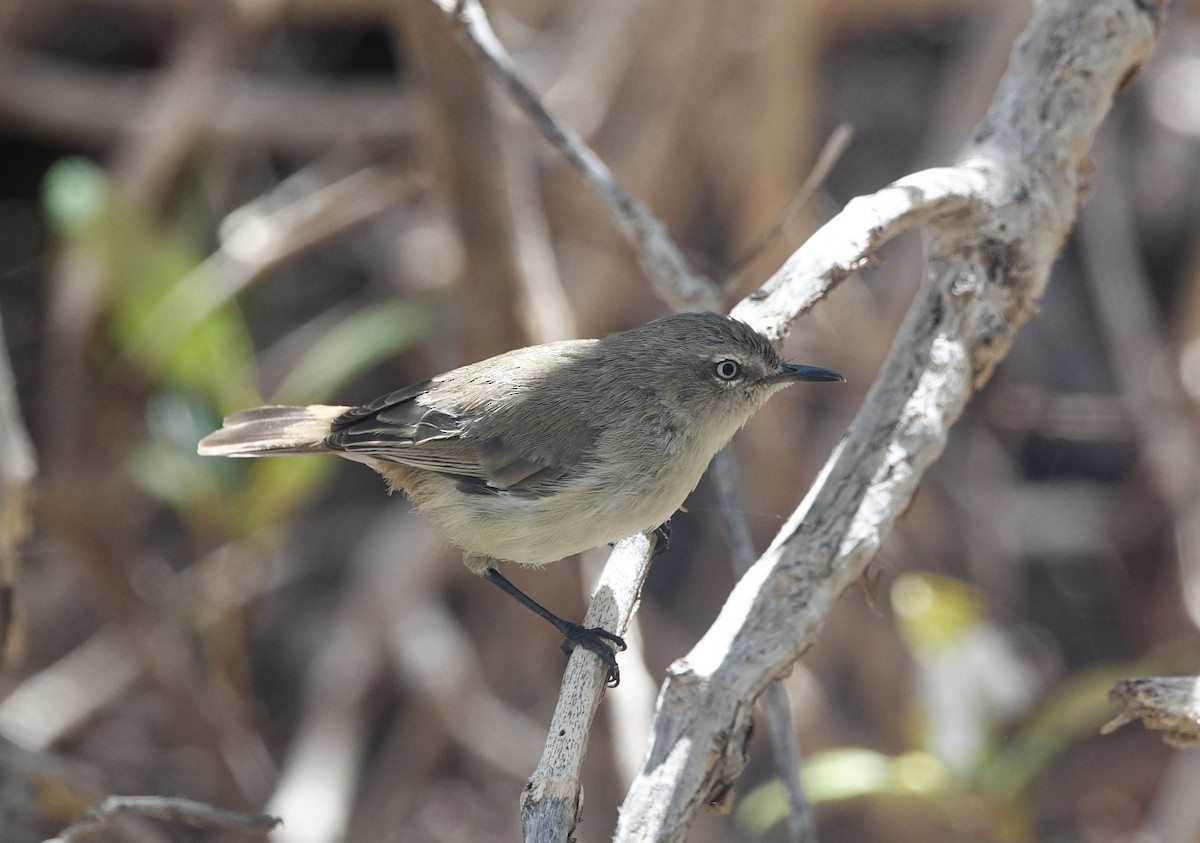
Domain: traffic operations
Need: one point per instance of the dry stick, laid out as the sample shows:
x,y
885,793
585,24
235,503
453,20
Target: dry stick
x,y
784,746
986,266
545,307
849,241
550,802
36,714
674,281
834,147
168,809
1168,703
596,58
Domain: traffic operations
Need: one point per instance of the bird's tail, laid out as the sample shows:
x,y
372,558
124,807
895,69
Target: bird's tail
x,y
271,431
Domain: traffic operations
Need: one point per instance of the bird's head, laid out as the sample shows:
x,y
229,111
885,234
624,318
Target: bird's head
x,y
713,367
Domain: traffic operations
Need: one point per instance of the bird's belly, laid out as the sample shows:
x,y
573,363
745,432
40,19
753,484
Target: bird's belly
x,y
535,530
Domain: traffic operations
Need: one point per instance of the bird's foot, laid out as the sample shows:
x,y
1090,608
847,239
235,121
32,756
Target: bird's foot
x,y
595,640
662,538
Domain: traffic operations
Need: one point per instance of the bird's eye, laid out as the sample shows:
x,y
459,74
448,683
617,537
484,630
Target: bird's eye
x,y
727,370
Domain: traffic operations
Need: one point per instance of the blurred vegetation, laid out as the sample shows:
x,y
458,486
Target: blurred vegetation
x,y
1009,742
205,208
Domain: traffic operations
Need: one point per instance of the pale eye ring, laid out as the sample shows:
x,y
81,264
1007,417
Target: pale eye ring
x,y
727,370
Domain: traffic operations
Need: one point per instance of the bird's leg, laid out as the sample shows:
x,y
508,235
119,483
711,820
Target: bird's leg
x,y
595,639
662,537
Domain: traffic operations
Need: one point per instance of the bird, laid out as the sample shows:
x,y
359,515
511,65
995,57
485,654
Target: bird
x,y
542,452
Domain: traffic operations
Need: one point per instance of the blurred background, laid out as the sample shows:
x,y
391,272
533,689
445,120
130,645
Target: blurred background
x,y
205,206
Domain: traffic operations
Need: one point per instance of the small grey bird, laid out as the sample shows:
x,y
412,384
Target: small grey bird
x,y
546,451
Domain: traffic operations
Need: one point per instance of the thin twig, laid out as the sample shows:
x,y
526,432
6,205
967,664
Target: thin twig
x,y
550,802
673,279
802,828
833,150
849,241
168,809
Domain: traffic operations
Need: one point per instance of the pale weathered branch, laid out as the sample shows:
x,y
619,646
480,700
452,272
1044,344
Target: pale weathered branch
x,y
1168,703
36,713
1004,213
550,803
802,828
849,241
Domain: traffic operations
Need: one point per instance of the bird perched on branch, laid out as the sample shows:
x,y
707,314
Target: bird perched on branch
x,y
546,451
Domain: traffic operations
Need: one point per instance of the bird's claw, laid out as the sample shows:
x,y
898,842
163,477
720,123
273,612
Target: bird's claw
x,y
662,538
596,640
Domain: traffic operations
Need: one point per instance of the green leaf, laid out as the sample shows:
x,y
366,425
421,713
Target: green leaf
x,y
141,264
849,773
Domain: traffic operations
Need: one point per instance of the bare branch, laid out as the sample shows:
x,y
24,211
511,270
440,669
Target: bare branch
x,y
168,809
673,280
1014,196
848,242
801,826
834,147
550,803
1169,703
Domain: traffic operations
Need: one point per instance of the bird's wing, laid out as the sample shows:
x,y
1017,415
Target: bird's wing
x,y
399,428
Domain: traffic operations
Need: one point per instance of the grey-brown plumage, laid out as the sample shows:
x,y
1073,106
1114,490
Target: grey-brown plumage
x,y
546,451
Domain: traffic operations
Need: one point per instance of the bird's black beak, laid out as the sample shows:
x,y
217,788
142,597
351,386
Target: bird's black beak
x,y
798,372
